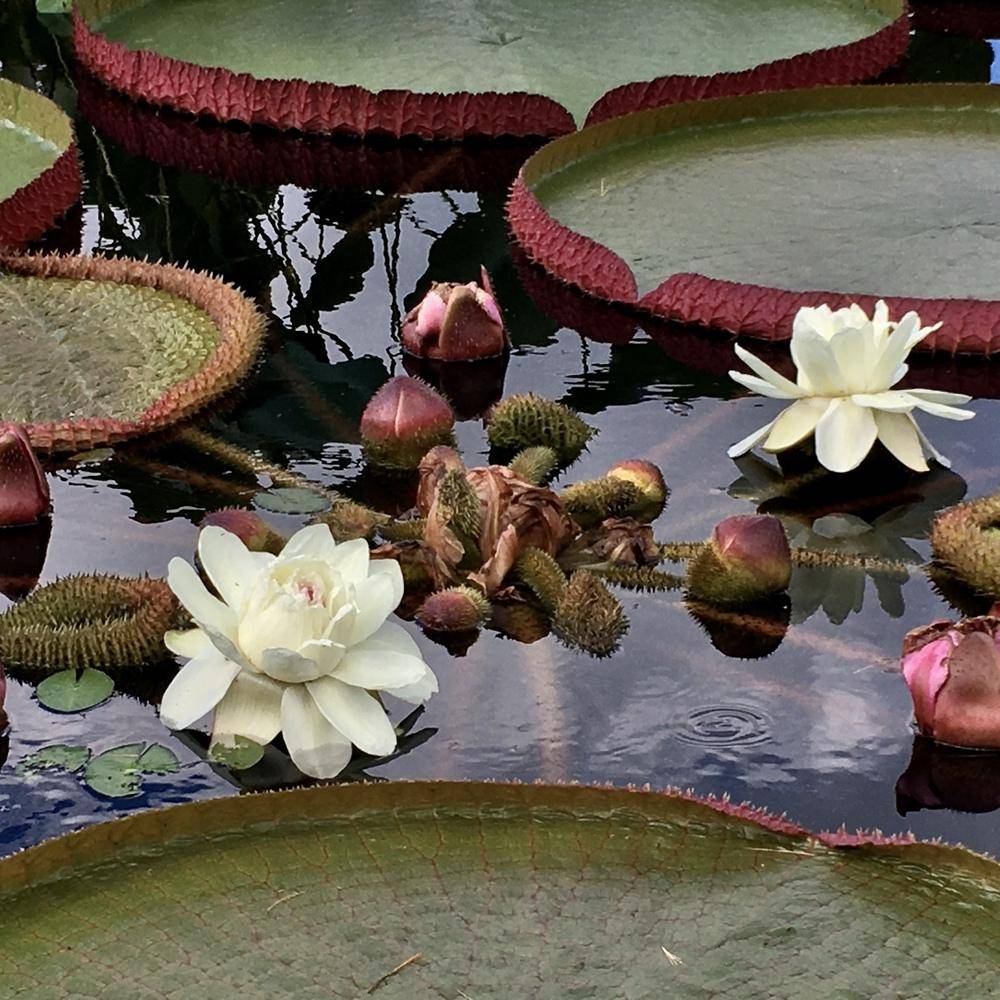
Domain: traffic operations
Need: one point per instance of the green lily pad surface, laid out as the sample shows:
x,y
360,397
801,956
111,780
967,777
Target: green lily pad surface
x,y
488,891
887,192
24,154
572,51
99,350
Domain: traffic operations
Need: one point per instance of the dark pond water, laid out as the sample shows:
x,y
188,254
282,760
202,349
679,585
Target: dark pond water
x,y
323,239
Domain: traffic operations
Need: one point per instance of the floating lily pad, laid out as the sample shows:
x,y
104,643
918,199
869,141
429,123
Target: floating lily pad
x,y
98,350
461,67
503,891
57,757
39,169
75,690
118,773
830,195
292,500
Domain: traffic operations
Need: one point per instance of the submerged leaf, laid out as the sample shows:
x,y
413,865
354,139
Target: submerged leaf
x,y
292,500
75,690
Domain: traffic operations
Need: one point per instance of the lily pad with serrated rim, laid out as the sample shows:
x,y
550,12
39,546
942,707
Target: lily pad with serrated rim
x,y
39,167
101,350
456,68
726,213
493,891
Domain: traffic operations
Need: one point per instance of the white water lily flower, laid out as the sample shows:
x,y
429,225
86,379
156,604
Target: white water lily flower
x,y
295,646
847,364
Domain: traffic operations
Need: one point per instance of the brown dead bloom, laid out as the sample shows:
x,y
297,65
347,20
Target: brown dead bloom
x,y
511,514
623,540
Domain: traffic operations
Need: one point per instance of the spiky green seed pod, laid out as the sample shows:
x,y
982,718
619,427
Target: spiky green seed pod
x,y
595,500
527,420
112,623
849,560
589,616
535,465
543,576
459,506
404,530
642,578
966,542
524,623
458,609
348,520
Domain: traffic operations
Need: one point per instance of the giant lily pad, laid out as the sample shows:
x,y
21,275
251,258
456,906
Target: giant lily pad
x,y
827,195
97,350
490,891
39,169
462,67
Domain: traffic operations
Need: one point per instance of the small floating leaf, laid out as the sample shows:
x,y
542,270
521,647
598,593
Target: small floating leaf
x,y
75,690
117,773
241,755
58,757
93,457
292,500
54,6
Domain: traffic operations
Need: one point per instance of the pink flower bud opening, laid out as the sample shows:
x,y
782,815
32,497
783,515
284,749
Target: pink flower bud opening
x,y
405,408
24,492
248,527
755,544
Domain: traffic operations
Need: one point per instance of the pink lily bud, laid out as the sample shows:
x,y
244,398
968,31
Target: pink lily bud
x,y
953,673
648,479
459,609
250,528
24,492
746,560
456,323
403,421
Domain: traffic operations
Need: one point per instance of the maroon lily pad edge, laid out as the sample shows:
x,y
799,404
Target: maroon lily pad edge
x,y
329,108
971,326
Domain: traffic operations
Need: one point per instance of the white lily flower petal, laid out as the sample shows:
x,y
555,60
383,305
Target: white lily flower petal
x,y
326,653
205,609
844,436
351,560
947,412
316,748
796,423
891,401
198,687
391,569
930,449
853,353
374,668
818,372
188,643
418,693
392,636
251,708
898,432
937,396
356,714
762,388
768,374
750,441
289,666
314,541
375,599
228,563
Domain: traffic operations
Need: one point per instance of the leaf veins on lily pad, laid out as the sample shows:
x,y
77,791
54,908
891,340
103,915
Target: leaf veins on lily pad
x,y
75,690
292,500
118,773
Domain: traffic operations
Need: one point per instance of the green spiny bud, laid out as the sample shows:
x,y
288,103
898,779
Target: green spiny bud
x,y
459,506
595,500
965,541
348,520
405,530
528,420
543,576
535,465
458,609
525,623
108,622
589,616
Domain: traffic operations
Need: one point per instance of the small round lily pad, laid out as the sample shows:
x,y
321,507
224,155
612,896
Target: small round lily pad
x,y
58,757
39,167
118,773
457,68
292,500
75,690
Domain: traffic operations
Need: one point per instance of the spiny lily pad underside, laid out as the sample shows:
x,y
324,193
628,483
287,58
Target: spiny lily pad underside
x,y
370,65
837,195
502,891
39,172
101,350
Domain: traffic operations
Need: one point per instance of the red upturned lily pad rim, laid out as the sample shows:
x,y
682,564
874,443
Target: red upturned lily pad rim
x,y
263,158
330,108
104,842
241,333
34,209
971,326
